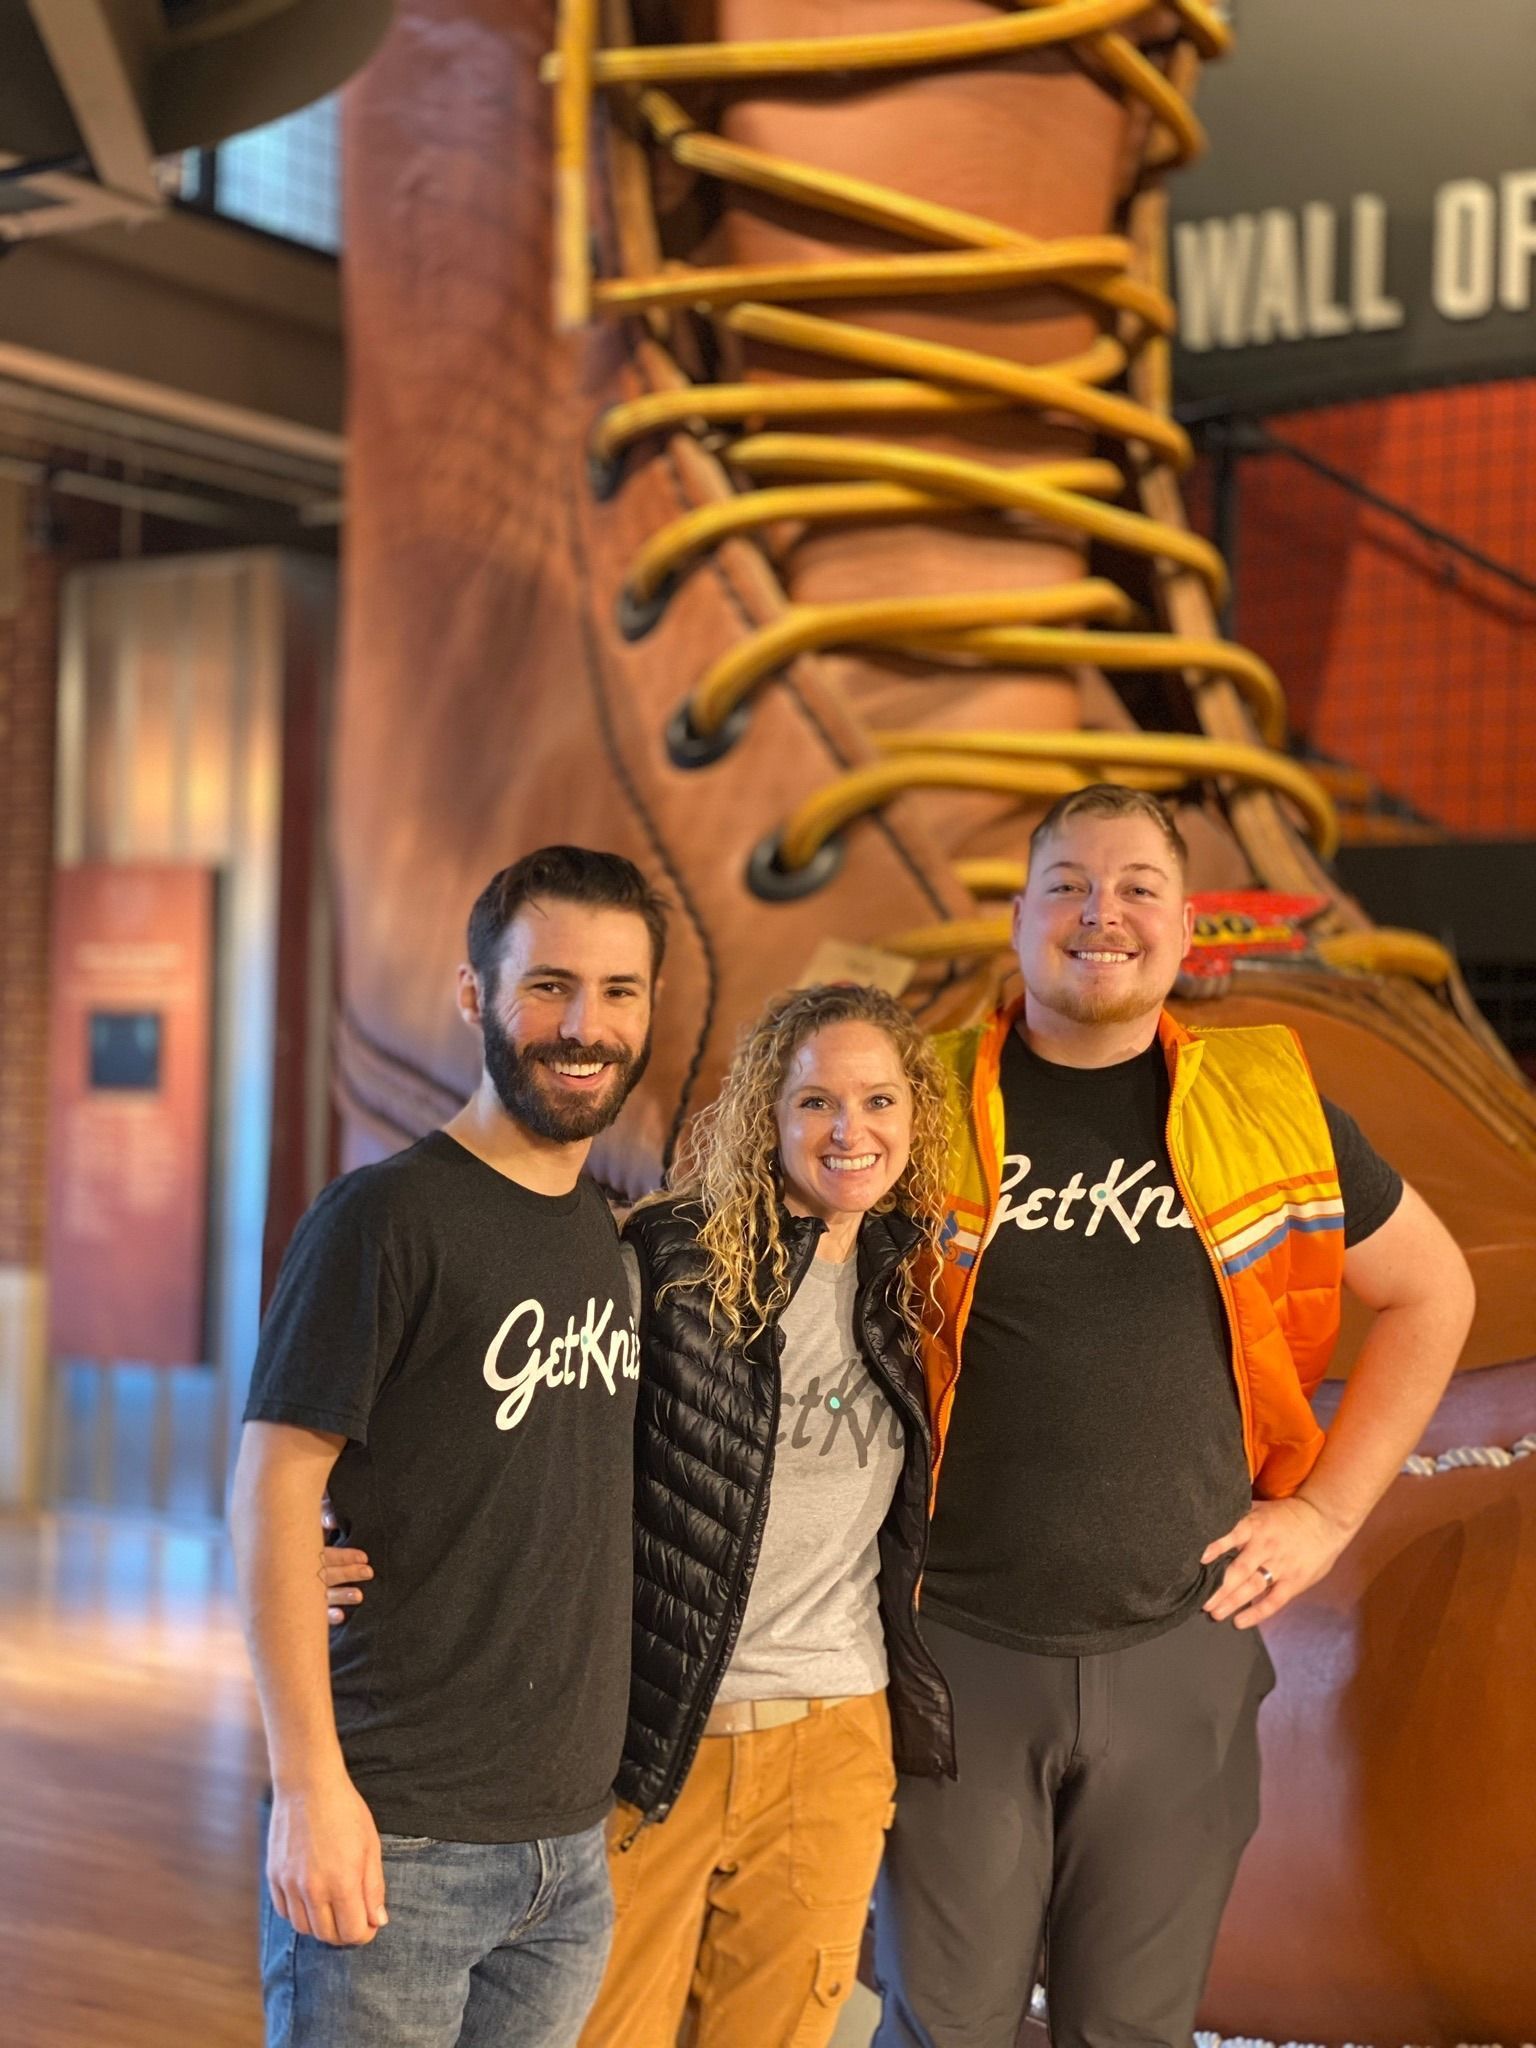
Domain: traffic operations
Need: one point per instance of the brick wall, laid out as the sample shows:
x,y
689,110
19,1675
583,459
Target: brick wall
x,y
28,671
1396,655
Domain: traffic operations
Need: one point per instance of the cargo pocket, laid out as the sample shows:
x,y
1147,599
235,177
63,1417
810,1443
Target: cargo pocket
x,y
841,1789
837,1971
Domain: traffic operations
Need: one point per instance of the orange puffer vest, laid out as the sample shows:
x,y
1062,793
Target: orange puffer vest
x,y
1254,1163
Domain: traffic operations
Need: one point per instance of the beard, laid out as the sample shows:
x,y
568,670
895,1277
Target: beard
x,y
1082,1002
517,1076
1089,1006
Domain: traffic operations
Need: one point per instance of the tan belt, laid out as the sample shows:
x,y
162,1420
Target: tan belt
x,y
745,1717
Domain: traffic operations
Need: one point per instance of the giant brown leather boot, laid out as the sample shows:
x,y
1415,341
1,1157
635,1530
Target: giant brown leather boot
x,y
761,465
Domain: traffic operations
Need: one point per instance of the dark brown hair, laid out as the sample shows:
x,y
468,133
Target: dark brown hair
x,y
568,874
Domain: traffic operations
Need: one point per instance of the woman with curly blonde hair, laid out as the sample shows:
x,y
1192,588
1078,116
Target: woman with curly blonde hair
x,y
783,1474
782,1478
730,1160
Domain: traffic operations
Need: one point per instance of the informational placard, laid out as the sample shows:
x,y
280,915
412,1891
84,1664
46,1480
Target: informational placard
x,y
129,1102
1365,219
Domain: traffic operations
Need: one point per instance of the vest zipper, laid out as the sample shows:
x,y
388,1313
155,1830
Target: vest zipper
x,y
979,1112
917,1413
912,1408
735,1610
627,1842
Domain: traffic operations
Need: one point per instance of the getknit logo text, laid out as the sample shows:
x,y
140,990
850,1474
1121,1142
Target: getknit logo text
x,y
1119,1194
568,1361
847,1404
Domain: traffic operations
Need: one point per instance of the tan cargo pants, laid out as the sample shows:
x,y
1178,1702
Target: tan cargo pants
x,y
739,1917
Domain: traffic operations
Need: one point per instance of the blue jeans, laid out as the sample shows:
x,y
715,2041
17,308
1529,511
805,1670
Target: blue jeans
x,y
487,1946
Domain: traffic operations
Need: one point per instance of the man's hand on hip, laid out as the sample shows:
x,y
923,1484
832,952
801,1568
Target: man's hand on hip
x,y
324,1864
1282,1547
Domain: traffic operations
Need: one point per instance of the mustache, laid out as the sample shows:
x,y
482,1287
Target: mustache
x,y
565,1049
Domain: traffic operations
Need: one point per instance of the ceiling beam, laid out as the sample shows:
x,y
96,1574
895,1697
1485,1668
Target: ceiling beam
x,y
101,70
76,203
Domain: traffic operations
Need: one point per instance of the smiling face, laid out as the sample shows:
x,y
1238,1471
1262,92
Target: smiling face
x,y
845,1121
566,1020
1103,922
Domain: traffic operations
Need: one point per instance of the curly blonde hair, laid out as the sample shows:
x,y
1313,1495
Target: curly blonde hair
x,y
729,1160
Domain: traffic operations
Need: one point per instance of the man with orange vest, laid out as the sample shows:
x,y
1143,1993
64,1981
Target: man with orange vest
x,y
1150,1228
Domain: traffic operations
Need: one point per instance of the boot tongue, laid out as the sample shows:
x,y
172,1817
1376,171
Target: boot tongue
x,y
1032,144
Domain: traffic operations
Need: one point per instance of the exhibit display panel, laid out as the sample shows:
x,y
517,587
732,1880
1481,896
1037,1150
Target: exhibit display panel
x,y
183,681
132,1040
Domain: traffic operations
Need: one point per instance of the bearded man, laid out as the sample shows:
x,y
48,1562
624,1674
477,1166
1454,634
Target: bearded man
x,y
451,1351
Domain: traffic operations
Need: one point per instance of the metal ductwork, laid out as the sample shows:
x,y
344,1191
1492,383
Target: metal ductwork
x,y
94,92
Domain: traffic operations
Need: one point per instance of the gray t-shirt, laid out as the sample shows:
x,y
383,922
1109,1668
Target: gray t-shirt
x,y
812,1626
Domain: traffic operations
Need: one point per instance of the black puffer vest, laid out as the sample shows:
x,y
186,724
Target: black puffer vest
x,y
704,1436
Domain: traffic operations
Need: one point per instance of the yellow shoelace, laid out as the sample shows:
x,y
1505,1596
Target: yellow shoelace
x,y
799,475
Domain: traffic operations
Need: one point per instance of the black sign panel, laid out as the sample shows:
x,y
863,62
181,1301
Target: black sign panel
x,y
1365,219
125,1049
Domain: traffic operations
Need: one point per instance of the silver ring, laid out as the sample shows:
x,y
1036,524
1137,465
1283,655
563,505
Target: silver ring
x,y
1266,1575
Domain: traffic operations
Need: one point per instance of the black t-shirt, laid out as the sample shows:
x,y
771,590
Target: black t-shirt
x,y
474,1342
1096,1445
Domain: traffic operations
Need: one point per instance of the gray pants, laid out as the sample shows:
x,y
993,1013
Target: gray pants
x,y
1102,1807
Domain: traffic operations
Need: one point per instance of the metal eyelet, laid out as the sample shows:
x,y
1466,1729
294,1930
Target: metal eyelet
x,y
604,472
637,615
687,747
774,883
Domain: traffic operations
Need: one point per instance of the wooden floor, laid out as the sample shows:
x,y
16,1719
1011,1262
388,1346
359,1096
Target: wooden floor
x,y
130,1768
130,1771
